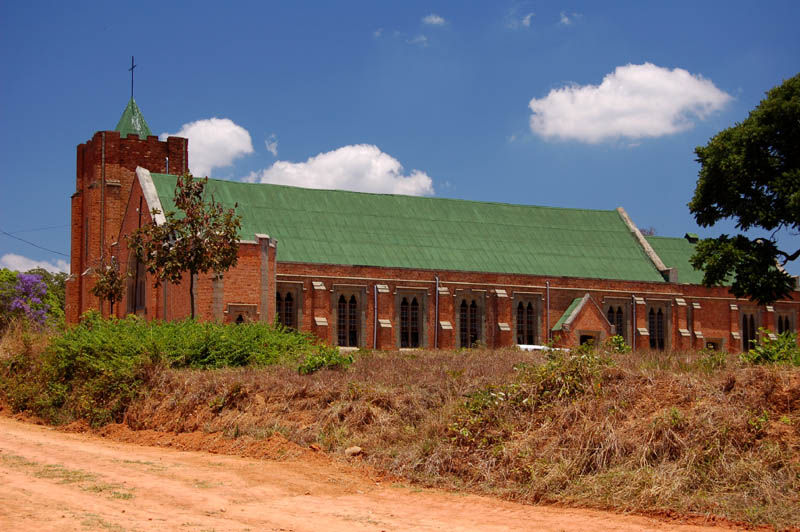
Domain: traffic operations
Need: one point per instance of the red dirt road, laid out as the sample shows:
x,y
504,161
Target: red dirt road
x,y
52,480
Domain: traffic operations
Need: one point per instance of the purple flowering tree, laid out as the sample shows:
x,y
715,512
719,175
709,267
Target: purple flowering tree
x,y
27,298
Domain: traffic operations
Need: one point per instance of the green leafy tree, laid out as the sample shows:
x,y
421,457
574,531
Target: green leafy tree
x,y
8,283
750,173
202,237
109,284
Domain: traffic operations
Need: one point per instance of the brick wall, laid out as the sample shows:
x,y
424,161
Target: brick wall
x,y
712,319
105,173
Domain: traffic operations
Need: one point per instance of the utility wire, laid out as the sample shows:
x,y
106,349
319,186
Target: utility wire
x,y
34,245
39,229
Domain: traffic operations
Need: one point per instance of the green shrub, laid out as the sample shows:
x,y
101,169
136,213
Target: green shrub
x,y
783,349
616,344
328,357
94,370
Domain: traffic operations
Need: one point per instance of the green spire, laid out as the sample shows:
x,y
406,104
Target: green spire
x,y
132,122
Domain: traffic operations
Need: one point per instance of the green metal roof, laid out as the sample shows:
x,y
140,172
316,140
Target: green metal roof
x,y
675,253
567,313
355,228
132,122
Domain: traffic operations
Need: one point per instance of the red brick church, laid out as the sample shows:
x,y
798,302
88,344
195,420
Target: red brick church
x,y
387,271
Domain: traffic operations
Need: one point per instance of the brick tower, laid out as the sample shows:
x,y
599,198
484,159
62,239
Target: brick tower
x,y
105,171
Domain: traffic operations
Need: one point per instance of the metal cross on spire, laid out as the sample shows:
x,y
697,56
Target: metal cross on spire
x,y
131,71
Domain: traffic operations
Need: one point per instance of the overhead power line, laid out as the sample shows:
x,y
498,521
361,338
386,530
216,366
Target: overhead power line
x,y
49,227
33,244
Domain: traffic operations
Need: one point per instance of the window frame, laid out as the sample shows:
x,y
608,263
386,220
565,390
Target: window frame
x,y
136,286
527,298
665,308
785,320
479,298
752,317
355,319
421,294
625,305
283,288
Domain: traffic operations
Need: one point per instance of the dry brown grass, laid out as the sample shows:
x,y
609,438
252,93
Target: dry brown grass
x,y
652,432
20,338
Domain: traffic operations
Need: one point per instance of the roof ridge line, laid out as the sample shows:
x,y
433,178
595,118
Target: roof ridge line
x,y
389,194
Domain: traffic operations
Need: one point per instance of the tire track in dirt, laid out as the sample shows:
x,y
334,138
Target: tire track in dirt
x,y
52,480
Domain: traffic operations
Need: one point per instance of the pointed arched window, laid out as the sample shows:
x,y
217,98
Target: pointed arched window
x,y
656,328
410,325
463,315
521,323
288,310
415,323
404,323
749,337
474,334
352,322
341,321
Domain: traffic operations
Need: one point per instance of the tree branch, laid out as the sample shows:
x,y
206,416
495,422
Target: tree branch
x,y
788,257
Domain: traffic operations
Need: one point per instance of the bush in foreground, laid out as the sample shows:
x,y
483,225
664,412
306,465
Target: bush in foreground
x,y
94,370
647,431
782,349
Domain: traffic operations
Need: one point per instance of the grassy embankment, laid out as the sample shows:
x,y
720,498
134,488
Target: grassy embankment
x,y
702,433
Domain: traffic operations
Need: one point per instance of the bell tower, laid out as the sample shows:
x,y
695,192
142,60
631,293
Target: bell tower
x,y
105,170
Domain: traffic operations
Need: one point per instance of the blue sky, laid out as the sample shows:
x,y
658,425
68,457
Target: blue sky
x,y
569,104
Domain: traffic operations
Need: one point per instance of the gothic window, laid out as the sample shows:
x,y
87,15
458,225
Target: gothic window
x,y
141,283
347,321
288,310
410,322
616,315
352,322
618,321
285,309
469,323
784,324
526,323
137,283
748,331
656,328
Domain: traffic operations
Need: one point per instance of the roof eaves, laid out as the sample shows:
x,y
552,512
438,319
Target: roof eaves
x,y
150,194
571,313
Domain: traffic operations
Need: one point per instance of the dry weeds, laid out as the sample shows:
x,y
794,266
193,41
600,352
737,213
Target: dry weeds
x,y
655,432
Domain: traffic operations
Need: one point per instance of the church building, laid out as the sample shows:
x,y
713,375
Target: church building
x,y
384,271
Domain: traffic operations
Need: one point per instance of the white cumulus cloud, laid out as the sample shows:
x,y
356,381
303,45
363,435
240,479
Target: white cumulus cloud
x,y
565,20
272,144
19,263
214,143
634,101
358,167
433,20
